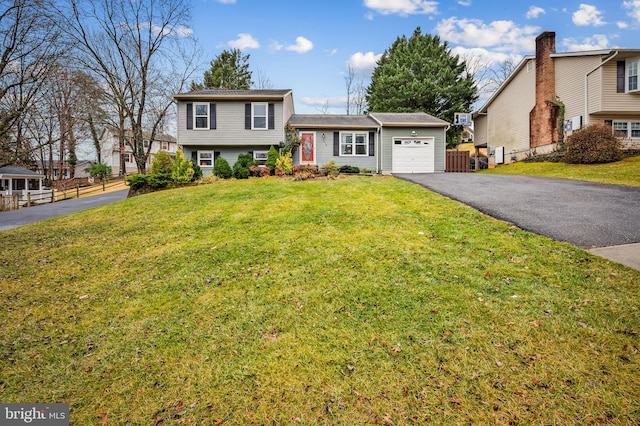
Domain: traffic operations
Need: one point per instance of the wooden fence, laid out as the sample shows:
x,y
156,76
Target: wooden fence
x,y
458,162
8,202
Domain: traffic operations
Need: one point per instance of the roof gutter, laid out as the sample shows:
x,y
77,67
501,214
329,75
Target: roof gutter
x,y
586,85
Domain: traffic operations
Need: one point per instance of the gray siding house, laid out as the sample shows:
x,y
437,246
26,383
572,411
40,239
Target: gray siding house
x,y
213,123
226,123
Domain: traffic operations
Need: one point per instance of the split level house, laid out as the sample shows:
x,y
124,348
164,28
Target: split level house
x,y
553,94
226,123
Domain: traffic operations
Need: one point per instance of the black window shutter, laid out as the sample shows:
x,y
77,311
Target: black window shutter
x,y
194,157
372,144
608,123
620,76
247,116
189,116
212,116
216,154
336,144
272,116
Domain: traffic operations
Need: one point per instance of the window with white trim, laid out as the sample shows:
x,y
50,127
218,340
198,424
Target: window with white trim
x,y
632,76
165,146
626,129
201,116
259,113
353,144
205,158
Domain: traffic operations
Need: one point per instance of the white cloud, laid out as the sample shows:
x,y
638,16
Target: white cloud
x,y
502,36
634,5
226,1
622,25
595,42
368,16
302,45
483,57
363,61
403,7
534,12
464,2
244,41
588,15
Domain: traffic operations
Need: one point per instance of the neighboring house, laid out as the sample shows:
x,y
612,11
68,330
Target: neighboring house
x,y
52,170
24,183
112,154
525,113
213,123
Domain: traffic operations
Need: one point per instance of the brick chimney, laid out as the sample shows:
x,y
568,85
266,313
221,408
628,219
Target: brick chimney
x,y
543,117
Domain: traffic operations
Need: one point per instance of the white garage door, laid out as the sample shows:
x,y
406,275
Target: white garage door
x,y
413,155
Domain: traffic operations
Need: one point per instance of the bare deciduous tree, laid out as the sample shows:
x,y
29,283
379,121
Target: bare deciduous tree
x,y
143,53
30,45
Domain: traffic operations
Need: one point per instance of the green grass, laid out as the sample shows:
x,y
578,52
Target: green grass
x,y
353,301
625,172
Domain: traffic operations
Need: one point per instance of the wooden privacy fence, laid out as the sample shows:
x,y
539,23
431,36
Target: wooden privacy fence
x,y
8,202
458,162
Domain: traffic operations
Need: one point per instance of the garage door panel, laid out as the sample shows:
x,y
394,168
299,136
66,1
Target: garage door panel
x,y
413,155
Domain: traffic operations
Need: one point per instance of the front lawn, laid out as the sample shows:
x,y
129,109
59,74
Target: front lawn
x,y
625,172
363,300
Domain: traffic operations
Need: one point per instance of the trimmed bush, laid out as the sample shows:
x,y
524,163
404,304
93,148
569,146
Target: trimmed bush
x,y
330,169
241,169
162,163
222,169
272,157
593,144
349,169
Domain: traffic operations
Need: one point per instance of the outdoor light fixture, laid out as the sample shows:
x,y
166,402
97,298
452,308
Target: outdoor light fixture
x,y
414,133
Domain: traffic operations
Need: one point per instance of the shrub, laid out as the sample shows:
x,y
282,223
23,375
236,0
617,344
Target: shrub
x,y
272,157
197,172
305,168
330,169
265,171
222,169
255,171
242,165
593,144
99,170
285,162
136,182
365,170
279,171
161,163
349,169
181,170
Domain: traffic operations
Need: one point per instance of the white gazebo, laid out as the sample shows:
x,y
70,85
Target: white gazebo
x,y
23,183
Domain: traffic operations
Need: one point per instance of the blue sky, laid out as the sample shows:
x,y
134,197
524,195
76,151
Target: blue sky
x,y
307,45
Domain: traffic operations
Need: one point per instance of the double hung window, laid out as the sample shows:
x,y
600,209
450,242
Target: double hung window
x,y
353,144
201,116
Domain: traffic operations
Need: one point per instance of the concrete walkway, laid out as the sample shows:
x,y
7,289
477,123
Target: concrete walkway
x,y
15,218
604,219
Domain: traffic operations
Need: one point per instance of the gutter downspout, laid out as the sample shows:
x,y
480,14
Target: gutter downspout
x,y
586,86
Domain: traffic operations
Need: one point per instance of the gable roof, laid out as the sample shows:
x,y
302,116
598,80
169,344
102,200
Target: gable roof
x,y
620,53
332,121
19,172
230,94
407,119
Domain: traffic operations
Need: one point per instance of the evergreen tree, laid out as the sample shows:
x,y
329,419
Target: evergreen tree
x,y
229,70
421,74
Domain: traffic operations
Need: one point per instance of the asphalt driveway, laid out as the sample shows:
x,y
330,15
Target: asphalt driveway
x,y
584,214
15,218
